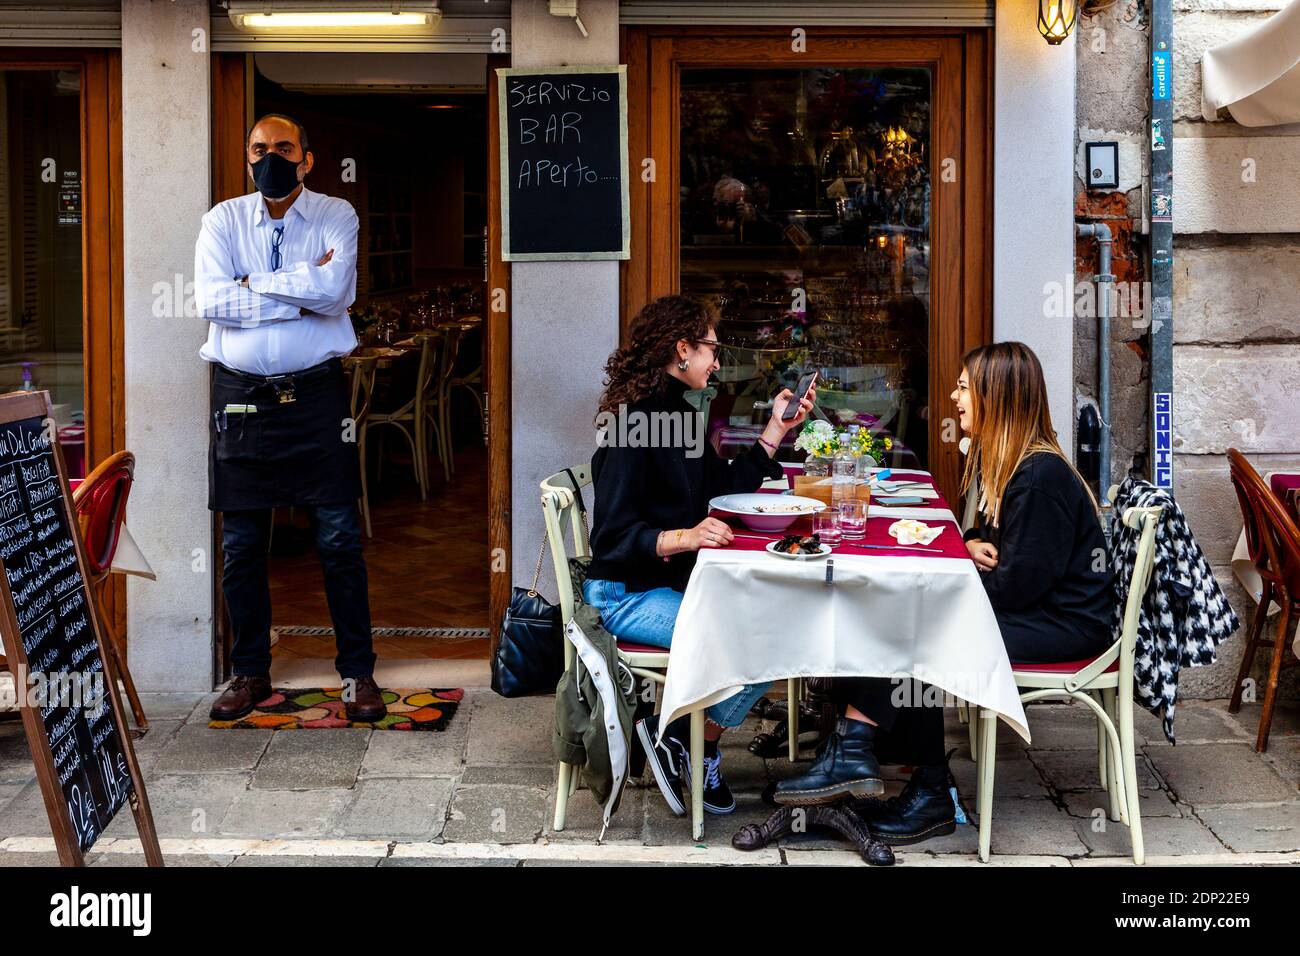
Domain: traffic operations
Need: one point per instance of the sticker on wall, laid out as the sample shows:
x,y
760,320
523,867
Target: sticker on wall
x,y
1157,136
1161,422
1162,312
1162,206
1160,74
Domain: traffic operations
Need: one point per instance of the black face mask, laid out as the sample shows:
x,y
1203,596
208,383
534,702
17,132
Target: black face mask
x,y
275,176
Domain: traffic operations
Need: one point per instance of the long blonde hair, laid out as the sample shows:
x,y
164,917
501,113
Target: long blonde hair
x,y
1010,420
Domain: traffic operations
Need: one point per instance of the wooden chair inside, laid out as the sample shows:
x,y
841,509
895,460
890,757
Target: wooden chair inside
x,y
1273,541
361,370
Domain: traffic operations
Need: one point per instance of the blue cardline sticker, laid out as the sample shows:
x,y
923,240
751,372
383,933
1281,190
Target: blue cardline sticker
x,y
1160,74
1162,432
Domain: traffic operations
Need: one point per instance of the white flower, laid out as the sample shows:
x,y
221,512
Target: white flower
x,y
814,434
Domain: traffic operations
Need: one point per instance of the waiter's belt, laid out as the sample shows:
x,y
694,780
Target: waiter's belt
x,y
284,381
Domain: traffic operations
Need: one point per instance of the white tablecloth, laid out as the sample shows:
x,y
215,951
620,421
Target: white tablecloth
x,y
748,618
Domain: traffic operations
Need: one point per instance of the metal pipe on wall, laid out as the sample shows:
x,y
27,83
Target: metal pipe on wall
x,y
1105,279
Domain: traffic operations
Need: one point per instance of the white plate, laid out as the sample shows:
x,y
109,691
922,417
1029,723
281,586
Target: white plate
x,y
771,549
762,512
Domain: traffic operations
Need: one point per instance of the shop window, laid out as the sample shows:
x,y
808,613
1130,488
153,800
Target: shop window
x,y
805,220
41,213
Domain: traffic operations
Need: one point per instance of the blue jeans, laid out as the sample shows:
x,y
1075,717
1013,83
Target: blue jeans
x,y
647,617
246,539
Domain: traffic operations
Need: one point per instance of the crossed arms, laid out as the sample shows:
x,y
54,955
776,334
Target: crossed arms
x,y
326,286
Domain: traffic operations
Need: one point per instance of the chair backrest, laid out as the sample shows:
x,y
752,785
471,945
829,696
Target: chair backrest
x,y
560,510
1148,520
362,369
1272,537
100,503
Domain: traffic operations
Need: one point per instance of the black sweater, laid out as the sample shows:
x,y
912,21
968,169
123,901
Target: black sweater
x,y
641,491
1051,552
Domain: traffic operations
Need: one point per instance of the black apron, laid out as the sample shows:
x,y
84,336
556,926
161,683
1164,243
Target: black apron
x,y
301,452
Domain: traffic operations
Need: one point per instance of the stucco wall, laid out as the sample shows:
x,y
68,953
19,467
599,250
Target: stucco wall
x,y
563,315
1033,148
165,191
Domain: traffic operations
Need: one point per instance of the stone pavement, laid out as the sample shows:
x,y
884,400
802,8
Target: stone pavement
x,y
483,793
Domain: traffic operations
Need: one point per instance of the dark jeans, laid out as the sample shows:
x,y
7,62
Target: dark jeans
x,y
910,731
246,539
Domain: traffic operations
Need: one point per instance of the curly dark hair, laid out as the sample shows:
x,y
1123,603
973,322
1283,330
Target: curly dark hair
x,y
638,369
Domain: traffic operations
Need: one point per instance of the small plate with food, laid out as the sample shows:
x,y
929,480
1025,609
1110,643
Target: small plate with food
x,y
798,547
766,512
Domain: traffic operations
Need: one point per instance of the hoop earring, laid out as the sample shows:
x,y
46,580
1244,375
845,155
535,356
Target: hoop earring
x,y
683,365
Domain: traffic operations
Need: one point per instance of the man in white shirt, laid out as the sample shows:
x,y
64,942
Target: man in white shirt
x,y
274,274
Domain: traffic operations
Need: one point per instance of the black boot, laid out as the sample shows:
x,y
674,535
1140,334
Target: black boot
x,y
923,810
846,767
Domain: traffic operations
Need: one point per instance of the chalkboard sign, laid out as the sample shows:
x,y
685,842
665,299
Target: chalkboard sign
x,y
53,642
564,163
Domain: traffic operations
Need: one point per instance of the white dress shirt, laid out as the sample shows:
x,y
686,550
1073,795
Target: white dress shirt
x,y
261,328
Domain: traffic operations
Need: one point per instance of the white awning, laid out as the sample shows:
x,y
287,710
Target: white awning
x,y
1257,75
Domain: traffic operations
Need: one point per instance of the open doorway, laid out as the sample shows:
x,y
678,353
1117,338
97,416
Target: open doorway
x,y
403,138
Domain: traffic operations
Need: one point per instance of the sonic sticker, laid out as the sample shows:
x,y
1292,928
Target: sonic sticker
x,y
1162,421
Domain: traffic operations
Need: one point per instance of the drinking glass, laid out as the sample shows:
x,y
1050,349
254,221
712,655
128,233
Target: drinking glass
x,y
826,525
853,518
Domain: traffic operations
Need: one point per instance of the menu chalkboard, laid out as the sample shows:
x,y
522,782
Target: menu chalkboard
x,y
564,192
52,640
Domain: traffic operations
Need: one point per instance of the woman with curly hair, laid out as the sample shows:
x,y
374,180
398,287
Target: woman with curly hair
x,y
652,505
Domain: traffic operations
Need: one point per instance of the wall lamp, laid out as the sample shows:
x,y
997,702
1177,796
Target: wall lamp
x,y
1056,19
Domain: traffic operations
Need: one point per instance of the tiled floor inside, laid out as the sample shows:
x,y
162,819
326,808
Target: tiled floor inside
x,y
427,563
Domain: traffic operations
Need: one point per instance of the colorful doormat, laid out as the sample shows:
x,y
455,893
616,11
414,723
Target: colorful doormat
x,y
309,708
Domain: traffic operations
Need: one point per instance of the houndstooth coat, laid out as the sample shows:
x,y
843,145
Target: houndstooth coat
x,y
1185,614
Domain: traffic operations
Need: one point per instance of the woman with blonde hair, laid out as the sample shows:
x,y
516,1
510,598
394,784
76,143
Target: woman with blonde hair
x,y
1042,558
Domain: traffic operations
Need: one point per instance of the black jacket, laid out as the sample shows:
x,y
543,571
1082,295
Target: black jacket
x,y
1051,551
642,490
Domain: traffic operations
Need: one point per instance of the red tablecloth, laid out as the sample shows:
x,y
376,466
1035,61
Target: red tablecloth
x,y
948,544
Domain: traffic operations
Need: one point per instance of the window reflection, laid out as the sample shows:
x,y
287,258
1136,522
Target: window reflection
x,y
805,218
40,246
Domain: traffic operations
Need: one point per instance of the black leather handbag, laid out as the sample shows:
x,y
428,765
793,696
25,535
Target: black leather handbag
x,y
530,649
530,655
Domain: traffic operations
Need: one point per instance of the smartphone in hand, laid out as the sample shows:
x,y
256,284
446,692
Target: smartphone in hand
x,y
801,390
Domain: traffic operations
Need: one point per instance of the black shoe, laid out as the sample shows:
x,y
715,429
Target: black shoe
x,y
668,760
717,795
923,810
846,767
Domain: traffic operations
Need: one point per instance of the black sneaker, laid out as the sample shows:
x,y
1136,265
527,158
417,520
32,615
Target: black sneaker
x,y
717,795
667,759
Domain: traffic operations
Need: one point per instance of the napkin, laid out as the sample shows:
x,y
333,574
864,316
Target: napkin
x,y
910,531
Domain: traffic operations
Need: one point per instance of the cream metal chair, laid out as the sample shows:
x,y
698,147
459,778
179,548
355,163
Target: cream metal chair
x,y
559,507
1105,685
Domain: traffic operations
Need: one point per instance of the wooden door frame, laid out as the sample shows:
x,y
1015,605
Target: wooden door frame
x,y
104,390
229,118
961,292
231,81
496,375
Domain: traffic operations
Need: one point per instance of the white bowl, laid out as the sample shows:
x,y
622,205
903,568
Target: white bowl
x,y
767,512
